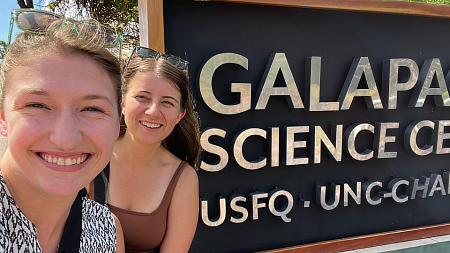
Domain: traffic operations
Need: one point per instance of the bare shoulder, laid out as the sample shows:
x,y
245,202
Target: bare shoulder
x,y
183,213
189,177
187,186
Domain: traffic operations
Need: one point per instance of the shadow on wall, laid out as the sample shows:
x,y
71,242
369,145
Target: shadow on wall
x,y
3,146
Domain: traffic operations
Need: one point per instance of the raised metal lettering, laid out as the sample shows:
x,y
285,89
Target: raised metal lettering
x,y
393,190
381,139
233,205
219,219
275,147
255,205
367,188
334,151
350,135
390,79
410,139
266,89
239,143
313,68
439,135
214,149
436,184
334,199
350,89
291,144
418,187
287,206
446,180
206,80
431,68
356,196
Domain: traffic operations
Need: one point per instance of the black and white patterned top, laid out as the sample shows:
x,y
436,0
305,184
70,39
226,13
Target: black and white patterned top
x,y
18,234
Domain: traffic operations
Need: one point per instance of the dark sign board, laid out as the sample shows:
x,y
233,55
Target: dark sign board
x,y
316,124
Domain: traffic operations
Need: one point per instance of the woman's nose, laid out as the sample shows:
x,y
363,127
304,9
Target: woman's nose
x,y
66,133
153,110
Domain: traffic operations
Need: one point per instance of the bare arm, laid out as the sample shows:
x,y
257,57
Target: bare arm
x,y
120,245
183,214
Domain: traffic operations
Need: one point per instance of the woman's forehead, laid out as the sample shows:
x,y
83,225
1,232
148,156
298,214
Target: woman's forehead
x,y
56,72
152,79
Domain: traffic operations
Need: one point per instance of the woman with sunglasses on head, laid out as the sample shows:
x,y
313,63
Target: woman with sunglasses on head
x,y
60,107
153,187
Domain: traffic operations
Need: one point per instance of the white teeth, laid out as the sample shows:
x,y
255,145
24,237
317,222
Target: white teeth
x,y
150,125
64,162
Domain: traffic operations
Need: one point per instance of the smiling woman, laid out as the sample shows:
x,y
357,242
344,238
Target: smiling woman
x,y
153,187
59,106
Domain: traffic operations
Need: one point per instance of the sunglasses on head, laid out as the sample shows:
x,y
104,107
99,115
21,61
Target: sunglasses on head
x,y
144,52
38,21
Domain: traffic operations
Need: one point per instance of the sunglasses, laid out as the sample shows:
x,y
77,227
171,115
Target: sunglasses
x,y
38,21
144,52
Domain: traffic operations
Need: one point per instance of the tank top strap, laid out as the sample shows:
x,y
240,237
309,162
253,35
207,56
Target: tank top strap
x,y
172,185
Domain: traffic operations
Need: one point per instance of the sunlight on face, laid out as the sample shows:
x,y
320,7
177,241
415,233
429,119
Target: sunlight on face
x,y
61,117
151,108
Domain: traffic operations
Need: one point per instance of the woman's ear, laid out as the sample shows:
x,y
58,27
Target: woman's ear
x,y
118,130
181,115
3,128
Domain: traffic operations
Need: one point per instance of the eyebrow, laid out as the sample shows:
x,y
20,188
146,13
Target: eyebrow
x,y
35,91
149,93
95,97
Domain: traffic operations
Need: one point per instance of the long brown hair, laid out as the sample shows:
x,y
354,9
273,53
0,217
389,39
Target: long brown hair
x,y
184,140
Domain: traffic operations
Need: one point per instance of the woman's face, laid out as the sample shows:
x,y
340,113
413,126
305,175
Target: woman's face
x,y
152,108
60,114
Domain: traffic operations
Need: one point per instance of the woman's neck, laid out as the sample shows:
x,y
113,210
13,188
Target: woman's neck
x,y
137,155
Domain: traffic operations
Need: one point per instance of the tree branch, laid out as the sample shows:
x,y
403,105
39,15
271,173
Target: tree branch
x,y
29,4
21,4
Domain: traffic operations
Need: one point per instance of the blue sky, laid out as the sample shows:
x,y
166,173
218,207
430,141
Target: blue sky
x,y
5,13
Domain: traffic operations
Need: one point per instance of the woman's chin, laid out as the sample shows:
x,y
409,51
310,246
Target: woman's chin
x,y
63,189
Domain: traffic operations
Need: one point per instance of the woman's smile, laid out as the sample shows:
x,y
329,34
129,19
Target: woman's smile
x,y
60,160
64,163
150,125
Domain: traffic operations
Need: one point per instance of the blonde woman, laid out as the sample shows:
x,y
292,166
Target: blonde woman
x,y
60,105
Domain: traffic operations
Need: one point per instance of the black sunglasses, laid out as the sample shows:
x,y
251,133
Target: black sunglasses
x,y
144,52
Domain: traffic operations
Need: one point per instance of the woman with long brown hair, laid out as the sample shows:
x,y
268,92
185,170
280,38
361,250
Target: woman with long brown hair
x,y
153,185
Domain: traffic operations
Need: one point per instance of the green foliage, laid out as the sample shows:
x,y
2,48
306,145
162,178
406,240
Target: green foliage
x,y
3,50
120,14
431,1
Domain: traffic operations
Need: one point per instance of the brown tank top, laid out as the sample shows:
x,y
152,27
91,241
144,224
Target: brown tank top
x,y
144,232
